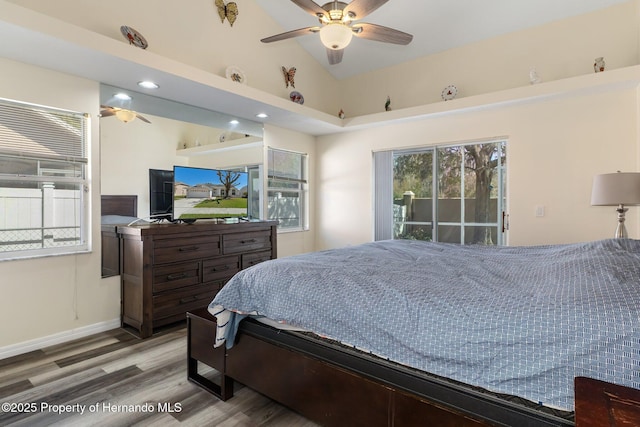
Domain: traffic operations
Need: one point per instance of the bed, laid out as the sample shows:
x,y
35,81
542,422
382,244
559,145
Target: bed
x,y
115,210
495,335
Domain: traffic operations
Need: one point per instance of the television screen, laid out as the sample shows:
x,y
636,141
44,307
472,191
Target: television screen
x,y
160,193
208,193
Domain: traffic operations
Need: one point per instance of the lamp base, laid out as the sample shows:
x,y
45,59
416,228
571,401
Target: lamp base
x,y
621,230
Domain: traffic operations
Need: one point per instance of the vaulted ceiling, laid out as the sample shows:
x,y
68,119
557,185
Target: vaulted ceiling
x,y
436,25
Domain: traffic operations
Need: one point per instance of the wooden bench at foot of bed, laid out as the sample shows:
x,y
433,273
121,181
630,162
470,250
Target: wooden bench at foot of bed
x,y
333,388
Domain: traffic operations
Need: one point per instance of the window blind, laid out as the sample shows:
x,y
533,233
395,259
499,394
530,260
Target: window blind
x,y
33,131
383,194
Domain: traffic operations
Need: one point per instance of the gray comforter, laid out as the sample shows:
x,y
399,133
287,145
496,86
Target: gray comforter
x,y
518,320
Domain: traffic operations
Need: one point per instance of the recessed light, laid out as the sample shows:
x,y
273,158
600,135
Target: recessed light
x,y
234,122
122,96
148,84
262,115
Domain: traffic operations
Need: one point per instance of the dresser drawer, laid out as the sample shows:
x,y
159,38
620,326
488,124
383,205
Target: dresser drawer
x,y
178,303
175,276
255,258
237,243
186,248
220,268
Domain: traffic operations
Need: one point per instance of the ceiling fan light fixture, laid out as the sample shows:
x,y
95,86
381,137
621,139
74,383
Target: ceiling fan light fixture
x,y
336,36
125,115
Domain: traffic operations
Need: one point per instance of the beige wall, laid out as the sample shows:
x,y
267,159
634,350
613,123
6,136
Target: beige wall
x,y
555,146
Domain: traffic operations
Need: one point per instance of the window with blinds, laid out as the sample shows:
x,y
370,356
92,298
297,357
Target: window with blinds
x,y
287,189
43,181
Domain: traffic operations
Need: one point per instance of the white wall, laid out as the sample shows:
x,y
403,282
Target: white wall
x,y
555,146
46,296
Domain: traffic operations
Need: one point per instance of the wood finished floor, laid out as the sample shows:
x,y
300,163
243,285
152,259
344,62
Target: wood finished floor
x,y
108,371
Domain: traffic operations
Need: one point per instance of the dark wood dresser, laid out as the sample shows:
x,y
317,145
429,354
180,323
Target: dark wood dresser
x,y
169,269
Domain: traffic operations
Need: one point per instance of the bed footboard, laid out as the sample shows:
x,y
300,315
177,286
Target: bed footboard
x,y
327,394
336,387
200,324
600,404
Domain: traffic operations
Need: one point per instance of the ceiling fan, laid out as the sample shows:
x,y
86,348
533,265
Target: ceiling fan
x,y
122,114
338,26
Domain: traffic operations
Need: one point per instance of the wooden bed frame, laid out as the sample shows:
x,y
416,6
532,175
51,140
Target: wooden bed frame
x,y
336,386
114,205
119,205
599,403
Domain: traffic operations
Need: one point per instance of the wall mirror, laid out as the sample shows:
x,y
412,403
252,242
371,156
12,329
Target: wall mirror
x,y
178,134
156,133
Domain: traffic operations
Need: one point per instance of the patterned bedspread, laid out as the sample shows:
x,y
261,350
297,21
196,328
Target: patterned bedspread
x,y
518,320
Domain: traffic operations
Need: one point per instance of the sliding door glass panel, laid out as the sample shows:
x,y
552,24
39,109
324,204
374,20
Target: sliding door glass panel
x,y
469,181
449,181
413,195
484,164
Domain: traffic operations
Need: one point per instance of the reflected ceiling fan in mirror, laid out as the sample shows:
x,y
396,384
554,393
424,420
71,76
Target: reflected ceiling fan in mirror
x,y
122,114
338,26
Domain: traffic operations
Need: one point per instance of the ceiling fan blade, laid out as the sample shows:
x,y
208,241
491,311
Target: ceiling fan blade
x,y
381,34
107,113
142,118
311,7
361,8
335,55
291,34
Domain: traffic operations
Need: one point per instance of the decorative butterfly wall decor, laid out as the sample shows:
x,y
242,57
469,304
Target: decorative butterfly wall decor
x,y
229,11
289,76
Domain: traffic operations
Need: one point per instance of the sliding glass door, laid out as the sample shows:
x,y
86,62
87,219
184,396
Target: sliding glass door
x,y
450,193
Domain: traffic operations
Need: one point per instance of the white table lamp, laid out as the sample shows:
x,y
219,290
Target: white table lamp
x,y
617,189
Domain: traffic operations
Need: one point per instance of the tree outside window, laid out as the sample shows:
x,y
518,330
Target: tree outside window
x,y
469,181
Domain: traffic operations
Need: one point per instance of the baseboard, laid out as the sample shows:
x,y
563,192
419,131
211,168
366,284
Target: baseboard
x,y
59,338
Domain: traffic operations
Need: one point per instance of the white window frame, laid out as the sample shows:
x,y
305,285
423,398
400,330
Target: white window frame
x,y
384,221
50,186
276,176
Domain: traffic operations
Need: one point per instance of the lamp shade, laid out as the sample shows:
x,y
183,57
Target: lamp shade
x,y
125,115
335,36
613,189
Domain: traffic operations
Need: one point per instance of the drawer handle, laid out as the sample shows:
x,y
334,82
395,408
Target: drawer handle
x,y
176,276
189,249
223,268
188,299
248,241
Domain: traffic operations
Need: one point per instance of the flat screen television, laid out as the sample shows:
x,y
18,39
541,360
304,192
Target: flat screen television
x,y
160,193
200,193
